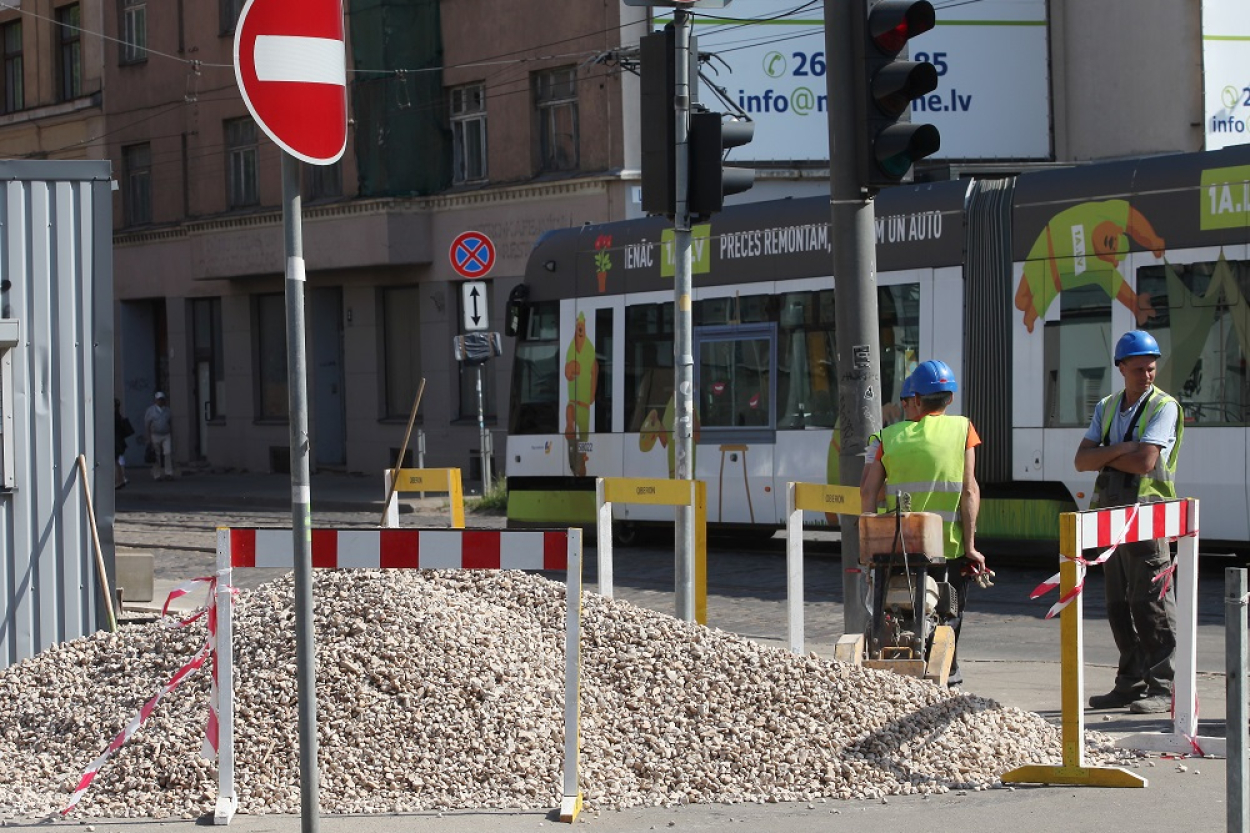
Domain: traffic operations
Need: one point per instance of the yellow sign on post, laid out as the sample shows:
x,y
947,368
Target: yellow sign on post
x,y
425,480
639,490
811,497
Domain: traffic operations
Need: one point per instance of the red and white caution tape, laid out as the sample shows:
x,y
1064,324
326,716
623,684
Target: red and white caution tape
x,y
1082,565
205,652
1165,576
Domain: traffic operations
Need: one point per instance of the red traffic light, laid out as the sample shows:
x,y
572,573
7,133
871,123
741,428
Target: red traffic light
x,y
892,23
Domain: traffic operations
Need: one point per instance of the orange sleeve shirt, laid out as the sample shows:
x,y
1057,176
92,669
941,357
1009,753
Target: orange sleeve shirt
x,y
974,440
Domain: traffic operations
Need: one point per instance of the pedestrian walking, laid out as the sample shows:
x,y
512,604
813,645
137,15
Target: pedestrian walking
x,y
122,432
1133,442
158,428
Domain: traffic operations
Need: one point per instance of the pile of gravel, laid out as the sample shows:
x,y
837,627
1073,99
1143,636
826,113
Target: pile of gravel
x,y
445,690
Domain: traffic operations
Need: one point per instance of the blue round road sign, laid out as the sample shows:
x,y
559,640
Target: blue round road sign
x,y
472,254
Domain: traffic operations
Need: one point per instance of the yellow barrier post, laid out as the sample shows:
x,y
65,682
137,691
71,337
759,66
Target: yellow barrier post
x,y
812,497
653,492
1072,673
424,480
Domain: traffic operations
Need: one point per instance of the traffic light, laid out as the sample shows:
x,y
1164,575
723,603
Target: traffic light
x,y
891,82
658,115
710,180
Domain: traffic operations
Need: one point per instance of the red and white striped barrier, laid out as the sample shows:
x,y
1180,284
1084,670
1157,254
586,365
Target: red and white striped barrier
x,y
414,549
427,549
1107,529
190,667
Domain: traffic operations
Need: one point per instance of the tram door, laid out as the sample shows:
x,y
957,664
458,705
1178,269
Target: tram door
x,y
590,355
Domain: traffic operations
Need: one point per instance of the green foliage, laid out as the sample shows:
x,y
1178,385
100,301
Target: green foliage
x,y
494,500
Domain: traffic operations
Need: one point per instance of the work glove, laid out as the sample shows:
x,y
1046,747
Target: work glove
x,y
983,577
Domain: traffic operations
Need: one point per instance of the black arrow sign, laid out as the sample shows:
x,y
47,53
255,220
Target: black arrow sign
x,y
473,294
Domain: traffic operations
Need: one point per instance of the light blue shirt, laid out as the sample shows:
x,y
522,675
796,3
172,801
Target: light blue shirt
x,y
1160,430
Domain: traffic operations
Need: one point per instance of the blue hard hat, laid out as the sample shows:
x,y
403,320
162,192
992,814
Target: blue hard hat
x,y
909,389
933,376
1136,343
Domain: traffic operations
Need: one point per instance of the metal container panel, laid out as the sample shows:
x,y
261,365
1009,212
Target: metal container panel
x,y
57,295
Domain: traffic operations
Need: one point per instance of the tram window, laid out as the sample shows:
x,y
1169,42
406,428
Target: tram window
x,y
806,387
536,374
1199,310
735,379
648,362
899,314
1076,346
603,354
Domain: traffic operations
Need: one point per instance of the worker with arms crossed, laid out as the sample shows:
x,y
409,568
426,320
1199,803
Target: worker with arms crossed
x,y
933,458
1133,443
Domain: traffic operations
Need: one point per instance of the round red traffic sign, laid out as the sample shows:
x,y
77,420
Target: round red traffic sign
x,y
291,67
472,254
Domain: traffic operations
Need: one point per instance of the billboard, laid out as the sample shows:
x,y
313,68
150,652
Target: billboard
x,y
992,100
1226,72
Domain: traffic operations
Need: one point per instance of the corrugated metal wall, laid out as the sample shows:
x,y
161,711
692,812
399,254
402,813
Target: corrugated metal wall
x,y
987,322
57,273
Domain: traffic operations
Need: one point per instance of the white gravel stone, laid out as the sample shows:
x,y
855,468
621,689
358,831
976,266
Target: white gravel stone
x,y
444,690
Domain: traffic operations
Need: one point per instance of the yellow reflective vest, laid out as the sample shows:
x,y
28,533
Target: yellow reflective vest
x,y
926,459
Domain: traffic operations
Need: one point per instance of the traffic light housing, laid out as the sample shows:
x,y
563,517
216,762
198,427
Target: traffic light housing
x,y
658,114
710,179
892,144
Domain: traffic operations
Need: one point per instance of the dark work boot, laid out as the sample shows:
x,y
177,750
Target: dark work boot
x,y
1117,698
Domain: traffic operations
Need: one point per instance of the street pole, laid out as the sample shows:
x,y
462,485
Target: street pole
x,y
483,438
1236,656
683,359
301,504
855,293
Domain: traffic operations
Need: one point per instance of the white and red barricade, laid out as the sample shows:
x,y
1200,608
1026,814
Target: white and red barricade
x,y
1104,530
424,549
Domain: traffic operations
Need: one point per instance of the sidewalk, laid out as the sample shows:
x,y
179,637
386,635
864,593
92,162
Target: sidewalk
x,y
331,491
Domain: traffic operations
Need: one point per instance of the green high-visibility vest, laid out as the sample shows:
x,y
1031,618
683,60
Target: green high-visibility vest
x,y
926,459
1160,484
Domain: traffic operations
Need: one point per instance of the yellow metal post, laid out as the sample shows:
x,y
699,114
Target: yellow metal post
x,y
700,551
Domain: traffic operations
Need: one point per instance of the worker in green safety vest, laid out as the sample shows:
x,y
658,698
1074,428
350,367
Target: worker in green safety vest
x,y
1133,443
933,459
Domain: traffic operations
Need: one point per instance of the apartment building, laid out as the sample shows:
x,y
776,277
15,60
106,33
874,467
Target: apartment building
x,y
463,116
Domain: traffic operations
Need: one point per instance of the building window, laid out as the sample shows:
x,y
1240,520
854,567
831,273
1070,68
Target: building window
x,y
556,100
137,175
468,130
323,182
241,188
69,52
14,99
228,11
271,371
401,349
134,46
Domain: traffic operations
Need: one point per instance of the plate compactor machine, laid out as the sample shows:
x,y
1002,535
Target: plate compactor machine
x,y
908,606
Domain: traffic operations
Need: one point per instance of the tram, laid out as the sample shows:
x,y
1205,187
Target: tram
x,y
1021,283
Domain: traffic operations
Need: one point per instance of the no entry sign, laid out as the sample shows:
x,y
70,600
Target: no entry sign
x,y
291,67
472,254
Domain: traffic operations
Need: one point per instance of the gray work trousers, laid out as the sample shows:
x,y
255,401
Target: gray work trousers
x,y
1143,625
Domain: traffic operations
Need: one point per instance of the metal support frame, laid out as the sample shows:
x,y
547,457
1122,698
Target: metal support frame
x,y
1077,532
424,480
227,797
691,494
812,497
